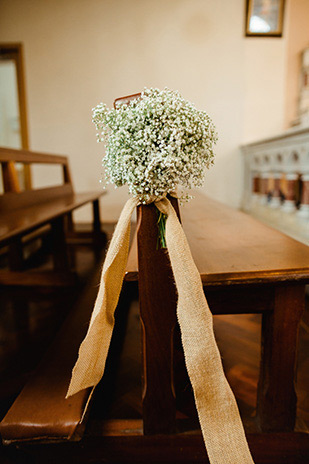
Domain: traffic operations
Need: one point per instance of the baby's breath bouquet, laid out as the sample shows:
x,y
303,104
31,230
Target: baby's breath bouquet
x,y
155,143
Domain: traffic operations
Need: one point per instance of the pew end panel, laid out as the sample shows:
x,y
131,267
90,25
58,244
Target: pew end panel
x,y
158,320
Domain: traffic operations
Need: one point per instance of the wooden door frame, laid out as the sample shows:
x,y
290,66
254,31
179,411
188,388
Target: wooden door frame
x,y
15,52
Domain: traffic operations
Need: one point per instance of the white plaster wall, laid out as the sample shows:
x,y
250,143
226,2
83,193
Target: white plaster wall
x,y
81,52
264,92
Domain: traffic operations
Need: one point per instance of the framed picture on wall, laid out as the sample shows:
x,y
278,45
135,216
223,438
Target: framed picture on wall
x,y
264,18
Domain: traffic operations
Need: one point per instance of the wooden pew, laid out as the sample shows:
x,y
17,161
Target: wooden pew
x,y
245,267
37,211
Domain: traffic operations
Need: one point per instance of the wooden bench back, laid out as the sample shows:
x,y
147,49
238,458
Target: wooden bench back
x,y
13,198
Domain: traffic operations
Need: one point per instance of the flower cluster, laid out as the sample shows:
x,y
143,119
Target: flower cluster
x,y
155,143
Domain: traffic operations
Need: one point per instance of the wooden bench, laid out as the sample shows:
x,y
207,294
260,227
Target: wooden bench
x,y
41,412
245,267
28,212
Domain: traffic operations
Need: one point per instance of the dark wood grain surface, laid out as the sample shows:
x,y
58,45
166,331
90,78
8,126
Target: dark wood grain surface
x,y
158,321
230,247
27,156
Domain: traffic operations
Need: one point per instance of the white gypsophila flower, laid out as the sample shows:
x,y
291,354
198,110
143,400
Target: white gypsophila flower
x,y
155,143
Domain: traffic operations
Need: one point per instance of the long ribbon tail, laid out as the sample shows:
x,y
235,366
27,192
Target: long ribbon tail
x,y
92,355
218,413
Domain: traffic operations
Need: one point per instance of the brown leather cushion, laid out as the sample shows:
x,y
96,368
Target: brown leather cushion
x,y
41,411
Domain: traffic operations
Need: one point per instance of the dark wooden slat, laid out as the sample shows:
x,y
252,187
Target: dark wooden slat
x,y
11,200
38,278
276,408
85,238
253,278
41,232
67,175
122,441
235,300
237,279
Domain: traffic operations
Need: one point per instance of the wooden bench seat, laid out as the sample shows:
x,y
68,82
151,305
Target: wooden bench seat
x,y
22,212
14,225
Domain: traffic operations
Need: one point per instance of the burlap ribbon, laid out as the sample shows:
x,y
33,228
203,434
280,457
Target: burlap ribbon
x,y
217,409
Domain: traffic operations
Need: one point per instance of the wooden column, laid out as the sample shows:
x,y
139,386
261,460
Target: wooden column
x,y
275,199
9,177
289,202
256,184
276,408
264,187
157,296
304,206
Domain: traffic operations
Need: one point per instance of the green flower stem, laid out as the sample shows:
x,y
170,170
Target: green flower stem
x,y
161,222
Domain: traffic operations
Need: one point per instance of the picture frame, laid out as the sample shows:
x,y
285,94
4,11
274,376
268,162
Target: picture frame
x,y
264,18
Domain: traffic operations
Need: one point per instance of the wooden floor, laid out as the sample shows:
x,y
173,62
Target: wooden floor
x,y
29,320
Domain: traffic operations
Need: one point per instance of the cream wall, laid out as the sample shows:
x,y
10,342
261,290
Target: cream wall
x,y
81,52
298,39
264,92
